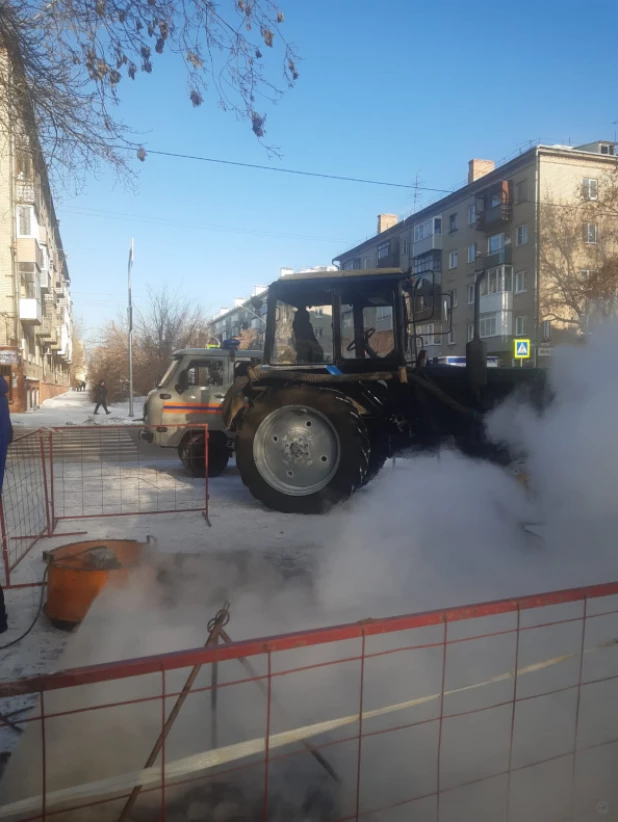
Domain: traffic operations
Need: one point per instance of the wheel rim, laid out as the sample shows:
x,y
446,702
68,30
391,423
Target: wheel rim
x,y
296,450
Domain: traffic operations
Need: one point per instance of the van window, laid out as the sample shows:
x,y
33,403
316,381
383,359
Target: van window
x,y
206,372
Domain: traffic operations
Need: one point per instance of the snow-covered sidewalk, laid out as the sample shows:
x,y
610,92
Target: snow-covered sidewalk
x,y
76,408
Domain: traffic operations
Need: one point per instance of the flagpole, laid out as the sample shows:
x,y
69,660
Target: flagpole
x,y
130,323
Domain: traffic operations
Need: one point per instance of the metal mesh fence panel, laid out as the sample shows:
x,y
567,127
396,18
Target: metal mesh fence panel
x,y
499,711
24,509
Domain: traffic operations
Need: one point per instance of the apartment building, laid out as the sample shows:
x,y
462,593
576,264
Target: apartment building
x,y
504,222
35,300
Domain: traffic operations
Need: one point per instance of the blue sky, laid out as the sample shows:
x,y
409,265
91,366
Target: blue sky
x,y
387,90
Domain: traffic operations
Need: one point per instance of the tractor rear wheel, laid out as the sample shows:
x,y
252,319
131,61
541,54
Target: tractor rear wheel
x,y
377,458
302,449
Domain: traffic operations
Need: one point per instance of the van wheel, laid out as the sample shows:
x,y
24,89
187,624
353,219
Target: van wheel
x,y
191,453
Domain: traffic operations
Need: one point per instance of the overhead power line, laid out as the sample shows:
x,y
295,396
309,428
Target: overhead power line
x,y
285,170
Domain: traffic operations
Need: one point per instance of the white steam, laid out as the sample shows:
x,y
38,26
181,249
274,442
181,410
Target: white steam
x,y
429,533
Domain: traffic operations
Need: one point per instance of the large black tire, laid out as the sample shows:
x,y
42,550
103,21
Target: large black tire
x,y
191,453
377,457
329,408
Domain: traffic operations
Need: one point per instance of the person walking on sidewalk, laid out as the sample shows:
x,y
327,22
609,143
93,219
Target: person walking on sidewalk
x,y
6,438
100,397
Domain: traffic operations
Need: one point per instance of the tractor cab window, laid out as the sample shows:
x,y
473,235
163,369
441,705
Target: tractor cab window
x,y
367,331
303,333
206,372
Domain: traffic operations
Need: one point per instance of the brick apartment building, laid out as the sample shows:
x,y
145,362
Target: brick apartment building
x,y
35,301
500,221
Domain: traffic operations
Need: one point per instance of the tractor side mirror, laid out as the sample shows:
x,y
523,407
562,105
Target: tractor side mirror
x,y
257,303
183,381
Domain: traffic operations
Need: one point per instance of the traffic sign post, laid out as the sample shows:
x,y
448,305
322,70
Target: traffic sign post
x,y
521,349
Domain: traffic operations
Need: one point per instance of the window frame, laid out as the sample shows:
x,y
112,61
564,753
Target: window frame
x,y
470,294
522,229
524,275
520,332
502,243
587,227
472,215
472,247
453,255
383,250
452,223
587,189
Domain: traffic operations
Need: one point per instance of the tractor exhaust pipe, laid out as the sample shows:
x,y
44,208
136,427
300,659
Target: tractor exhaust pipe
x,y
476,349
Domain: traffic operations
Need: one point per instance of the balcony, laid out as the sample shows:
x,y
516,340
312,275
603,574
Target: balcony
x,y
494,217
504,256
389,260
433,241
29,251
45,282
30,311
501,301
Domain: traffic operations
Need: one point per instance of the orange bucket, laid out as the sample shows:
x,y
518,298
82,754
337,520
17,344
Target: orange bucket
x,y
77,573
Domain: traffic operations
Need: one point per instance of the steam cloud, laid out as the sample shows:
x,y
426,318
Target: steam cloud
x,y
428,533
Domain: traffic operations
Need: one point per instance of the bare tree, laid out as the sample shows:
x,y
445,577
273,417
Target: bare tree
x,y
579,257
63,62
169,323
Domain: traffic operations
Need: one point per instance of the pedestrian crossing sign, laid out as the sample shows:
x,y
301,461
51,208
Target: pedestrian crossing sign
x,y
521,349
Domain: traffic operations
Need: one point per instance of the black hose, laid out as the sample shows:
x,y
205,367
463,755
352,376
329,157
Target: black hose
x,y
34,621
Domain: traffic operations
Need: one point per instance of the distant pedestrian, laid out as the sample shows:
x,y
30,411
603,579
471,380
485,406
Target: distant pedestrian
x,y
83,385
100,397
6,438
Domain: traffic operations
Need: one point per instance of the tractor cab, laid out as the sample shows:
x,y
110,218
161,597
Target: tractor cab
x,y
338,322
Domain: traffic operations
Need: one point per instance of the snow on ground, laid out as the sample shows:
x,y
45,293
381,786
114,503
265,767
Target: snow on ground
x,y
75,408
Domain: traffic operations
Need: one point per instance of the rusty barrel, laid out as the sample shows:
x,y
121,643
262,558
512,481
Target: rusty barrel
x,y
77,573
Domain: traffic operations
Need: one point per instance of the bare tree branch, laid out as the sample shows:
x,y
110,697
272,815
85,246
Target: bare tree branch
x,y
62,63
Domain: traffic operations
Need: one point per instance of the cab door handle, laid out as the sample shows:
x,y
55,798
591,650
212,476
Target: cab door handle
x,y
165,396
219,396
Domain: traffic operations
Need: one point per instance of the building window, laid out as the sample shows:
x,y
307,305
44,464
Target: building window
x,y
587,273
383,250
347,320
472,252
428,334
452,223
495,243
522,234
591,189
427,228
546,331
495,200
454,298
521,192
25,221
497,280
365,262
317,312
520,326
470,295
451,336
590,232
404,245
428,262
453,259
470,332
348,265
520,282
487,325
471,215
384,312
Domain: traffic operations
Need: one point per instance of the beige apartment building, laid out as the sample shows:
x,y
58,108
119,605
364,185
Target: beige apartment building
x,y
532,225
35,301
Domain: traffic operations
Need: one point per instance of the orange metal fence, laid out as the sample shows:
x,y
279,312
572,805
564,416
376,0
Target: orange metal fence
x,y
90,471
106,471
500,711
24,504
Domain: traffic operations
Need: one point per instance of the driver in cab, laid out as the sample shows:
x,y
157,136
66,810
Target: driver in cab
x,y
308,349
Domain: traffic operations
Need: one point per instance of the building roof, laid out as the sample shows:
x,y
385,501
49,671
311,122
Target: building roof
x,y
338,275
478,185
